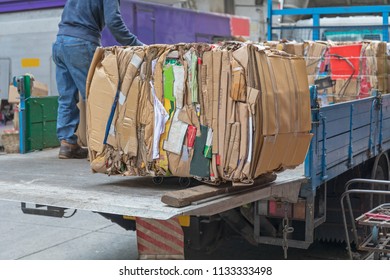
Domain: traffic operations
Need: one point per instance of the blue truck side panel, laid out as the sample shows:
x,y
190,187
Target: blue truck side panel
x,y
346,135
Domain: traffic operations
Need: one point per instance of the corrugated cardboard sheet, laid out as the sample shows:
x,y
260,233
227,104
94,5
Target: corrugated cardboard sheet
x,y
231,112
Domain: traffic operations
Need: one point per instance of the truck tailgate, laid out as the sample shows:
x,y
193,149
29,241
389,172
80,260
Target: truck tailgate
x,y
42,178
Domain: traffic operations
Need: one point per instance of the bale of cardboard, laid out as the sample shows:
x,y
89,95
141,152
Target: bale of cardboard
x,y
218,113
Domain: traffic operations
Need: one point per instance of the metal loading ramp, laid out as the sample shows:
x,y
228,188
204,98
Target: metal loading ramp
x,y
42,178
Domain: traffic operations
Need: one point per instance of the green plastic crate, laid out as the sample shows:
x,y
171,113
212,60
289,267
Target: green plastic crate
x,y
41,123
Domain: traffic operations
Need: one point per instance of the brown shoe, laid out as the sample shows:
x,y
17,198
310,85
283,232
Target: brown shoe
x,y
68,150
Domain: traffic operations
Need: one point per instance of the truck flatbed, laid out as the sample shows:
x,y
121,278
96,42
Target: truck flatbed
x,y
41,178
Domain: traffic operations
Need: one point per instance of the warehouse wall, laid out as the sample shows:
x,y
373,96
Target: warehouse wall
x,y
26,35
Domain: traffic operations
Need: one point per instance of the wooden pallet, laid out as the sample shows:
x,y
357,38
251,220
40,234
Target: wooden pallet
x,y
181,198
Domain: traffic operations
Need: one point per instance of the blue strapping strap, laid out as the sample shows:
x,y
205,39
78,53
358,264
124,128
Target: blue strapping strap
x,y
113,108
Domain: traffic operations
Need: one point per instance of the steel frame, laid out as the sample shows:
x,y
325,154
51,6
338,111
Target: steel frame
x,y
316,13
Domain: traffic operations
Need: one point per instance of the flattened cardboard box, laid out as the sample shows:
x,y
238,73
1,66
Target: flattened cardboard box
x,y
103,82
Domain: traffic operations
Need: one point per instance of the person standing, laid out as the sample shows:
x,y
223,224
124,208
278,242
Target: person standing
x,y
79,35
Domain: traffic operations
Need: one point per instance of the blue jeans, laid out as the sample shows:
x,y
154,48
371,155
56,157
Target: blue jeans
x,y
72,57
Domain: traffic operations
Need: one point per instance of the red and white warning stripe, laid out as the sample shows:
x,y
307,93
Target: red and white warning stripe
x,y
160,239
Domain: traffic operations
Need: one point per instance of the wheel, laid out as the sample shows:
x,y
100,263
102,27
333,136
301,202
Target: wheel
x,y
375,235
158,180
380,171
184,182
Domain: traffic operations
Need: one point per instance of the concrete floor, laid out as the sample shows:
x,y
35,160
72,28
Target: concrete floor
x,y
85,236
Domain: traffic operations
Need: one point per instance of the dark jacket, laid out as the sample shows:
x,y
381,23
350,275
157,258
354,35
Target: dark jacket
x,y
86,19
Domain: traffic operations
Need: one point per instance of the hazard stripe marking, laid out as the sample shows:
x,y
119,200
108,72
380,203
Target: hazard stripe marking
x,y
172,225
157,237
160,235
162,227
149,245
